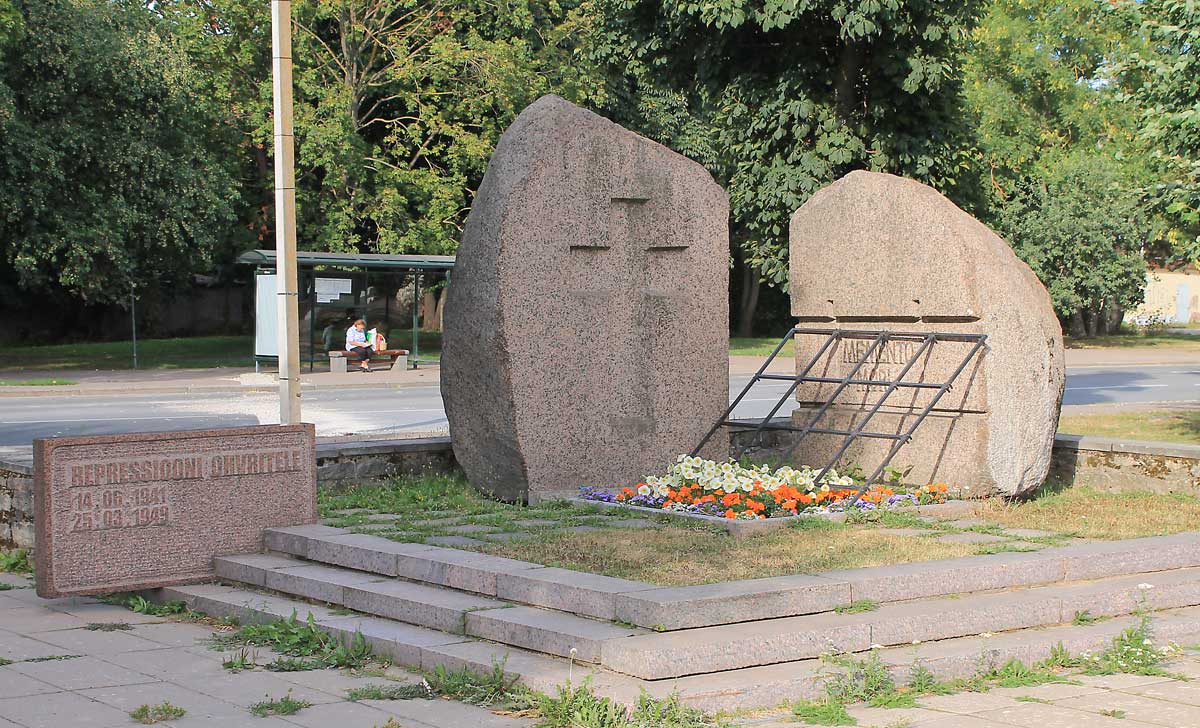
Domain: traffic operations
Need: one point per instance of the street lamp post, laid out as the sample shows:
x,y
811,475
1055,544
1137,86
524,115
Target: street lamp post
x,y
285,214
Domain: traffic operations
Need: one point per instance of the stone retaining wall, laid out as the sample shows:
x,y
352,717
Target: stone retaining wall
x,y
1113,465
16,507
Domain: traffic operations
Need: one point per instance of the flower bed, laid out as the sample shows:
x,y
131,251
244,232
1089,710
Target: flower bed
x,y
733,491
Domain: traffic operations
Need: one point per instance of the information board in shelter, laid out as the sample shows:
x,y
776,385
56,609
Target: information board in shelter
x,y
144,510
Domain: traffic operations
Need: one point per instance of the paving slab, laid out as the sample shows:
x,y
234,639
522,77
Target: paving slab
x,y
1056,716
14,684
705,605
89,642
1029,533
241,721
1137,707
110,613
80,673
550,632
967,703
173,663
453,541
967,523
56,710
424,606
127,698
882,716
15,647
446,714
576,592
457,569
535,523
631,523
970,537
1049,691
32,618
506,536
960,721
1148,685
342,715
173,634
470,528
246,688
906,531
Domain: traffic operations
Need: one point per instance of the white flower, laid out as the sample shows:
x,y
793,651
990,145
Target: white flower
x,y
1144,587
643,489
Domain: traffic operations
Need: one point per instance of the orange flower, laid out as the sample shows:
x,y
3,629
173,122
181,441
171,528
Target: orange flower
x,y
730,514
790,505
942,487
805,499
755,506
731,499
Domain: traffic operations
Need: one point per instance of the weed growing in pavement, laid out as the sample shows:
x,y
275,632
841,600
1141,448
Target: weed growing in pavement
x,y
148,714
866,681
470,687
1016,674
293,664
1132,652
243,659
294,638
1083,618
5,586
109,626
15,562
1031,699
141,605
1060,658
579,707
52,658
4,662
404,691
1113,713
862,605
822,712
287,705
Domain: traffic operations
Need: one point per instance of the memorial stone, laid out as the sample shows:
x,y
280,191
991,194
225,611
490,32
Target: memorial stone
x,y
586,324
879,252
138,511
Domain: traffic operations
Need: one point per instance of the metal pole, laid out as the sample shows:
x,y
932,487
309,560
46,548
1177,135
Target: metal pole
x,y
416,351
285,213
133,324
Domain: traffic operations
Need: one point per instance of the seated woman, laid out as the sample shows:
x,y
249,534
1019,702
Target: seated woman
x,y
357,347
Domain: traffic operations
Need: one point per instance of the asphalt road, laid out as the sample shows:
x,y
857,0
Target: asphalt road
x,y
379,412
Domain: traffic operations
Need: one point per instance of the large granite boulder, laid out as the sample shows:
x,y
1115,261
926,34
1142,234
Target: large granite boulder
x,y
879,252
586,322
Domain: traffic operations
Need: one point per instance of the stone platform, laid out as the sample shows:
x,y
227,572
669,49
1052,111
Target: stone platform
x,y
722,646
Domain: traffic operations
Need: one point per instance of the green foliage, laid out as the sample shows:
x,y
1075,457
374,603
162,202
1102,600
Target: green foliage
x,y
287,705
472,687
411,691
15,562
1083,617
865,681
579,707
1133,652
109,627
141,605
862,605
1016,674
107,178
778,100
1081,228
295,638
148,714
1162,80
243,659
822,712
1059,163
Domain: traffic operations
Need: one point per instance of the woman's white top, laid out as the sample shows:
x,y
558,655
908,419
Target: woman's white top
x,y
354,338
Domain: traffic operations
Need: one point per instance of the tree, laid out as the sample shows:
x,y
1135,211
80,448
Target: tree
x,y
1083,234
105,178
780,99
1163,80
1061,169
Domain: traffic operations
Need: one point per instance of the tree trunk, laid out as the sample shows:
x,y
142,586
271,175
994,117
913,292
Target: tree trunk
x,y
751,284
441,307
1078,329
428,310
848,71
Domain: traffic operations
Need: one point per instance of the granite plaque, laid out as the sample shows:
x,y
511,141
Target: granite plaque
x,y
145,510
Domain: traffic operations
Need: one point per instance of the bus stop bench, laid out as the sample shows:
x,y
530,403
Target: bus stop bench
x,y
399,357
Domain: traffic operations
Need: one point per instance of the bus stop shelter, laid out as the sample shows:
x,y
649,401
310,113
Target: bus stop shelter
x,y
334,289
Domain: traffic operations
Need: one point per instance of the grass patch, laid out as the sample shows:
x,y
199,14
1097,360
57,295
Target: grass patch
x,y
862,605
822,712
200,352
761,346
36,382
15,562
411,691
287,705
1113,713
1157,340
1092,513
109,627
148,714
1031,699
1157,425
679,555
297,639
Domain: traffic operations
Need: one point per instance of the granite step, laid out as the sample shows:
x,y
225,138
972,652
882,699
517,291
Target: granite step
x,y
731,647
667,609
540,630
740,689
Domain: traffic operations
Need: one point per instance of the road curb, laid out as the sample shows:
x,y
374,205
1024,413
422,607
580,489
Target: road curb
x,y
196,389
